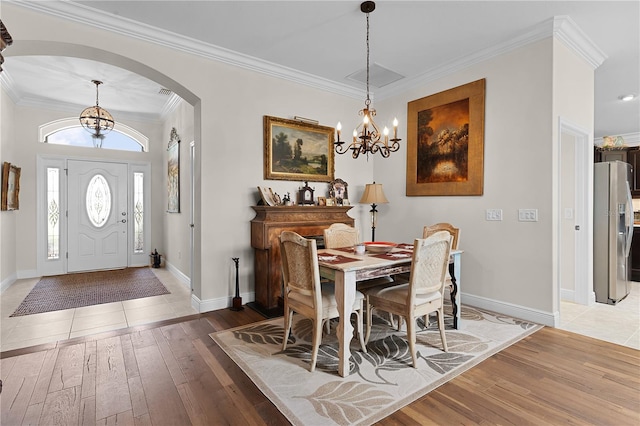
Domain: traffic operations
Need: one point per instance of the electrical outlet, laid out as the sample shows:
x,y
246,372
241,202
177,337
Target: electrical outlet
x,y
494,214
528,215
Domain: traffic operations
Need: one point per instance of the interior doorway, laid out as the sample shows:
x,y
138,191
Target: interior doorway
x,y
575,222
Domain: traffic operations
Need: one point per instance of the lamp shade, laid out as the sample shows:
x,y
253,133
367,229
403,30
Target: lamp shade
x,y
373,194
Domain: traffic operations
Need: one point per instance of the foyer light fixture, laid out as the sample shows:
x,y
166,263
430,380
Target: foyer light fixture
x,y
97,120
373,194
367,138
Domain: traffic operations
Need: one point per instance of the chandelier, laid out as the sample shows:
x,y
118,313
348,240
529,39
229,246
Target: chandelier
x,y
97,120
367,137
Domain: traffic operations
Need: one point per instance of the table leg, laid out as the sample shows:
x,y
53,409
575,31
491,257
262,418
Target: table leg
x,y
345,283
454,270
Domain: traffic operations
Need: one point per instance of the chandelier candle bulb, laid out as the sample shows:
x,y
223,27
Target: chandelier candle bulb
x,y
338,128
395,128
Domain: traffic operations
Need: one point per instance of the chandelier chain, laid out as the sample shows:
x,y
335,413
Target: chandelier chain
x,y
368,101
367,138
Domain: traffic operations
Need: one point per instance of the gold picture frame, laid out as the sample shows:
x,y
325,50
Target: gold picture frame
x,y
10,198
297,150
445,142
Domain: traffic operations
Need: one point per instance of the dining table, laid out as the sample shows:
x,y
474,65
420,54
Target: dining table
x,y
345,268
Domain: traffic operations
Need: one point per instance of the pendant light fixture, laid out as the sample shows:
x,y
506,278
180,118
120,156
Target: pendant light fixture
x,y
367,137
97,120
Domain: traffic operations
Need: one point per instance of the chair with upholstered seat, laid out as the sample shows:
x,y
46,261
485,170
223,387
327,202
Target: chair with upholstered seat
x,y
304,294
423,293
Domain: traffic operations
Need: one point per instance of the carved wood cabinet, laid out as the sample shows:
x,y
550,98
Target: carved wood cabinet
x,y
308,221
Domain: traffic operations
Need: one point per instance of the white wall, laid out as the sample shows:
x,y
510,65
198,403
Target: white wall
x,y
507,264
507,261
27,147
7,218
176,225
228,106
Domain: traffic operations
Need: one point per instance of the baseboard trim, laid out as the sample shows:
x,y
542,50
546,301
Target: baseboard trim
x,y
534,315
28,273
185,280
7,282
208,305
567,295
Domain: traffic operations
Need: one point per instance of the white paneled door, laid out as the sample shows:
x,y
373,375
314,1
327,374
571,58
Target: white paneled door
x,y
97,215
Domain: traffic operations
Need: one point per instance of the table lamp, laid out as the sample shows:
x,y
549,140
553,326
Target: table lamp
x,y
373,195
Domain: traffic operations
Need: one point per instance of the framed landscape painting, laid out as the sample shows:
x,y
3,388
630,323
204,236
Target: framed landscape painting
x,y
10,187
297,150
445,142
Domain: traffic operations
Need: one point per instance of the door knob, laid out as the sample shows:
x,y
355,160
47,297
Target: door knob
x,y
577,227
124,220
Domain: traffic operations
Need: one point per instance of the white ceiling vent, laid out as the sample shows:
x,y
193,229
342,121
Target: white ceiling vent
x,y
379,76
165,92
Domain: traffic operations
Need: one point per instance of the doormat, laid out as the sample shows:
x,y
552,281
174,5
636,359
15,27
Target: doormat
x,y
380,382
90,288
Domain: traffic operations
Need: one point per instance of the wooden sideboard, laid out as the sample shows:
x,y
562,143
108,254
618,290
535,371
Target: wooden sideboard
x,y
308,221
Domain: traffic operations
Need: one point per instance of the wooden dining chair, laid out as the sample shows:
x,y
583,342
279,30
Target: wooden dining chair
x,y
423,293
429,230
454,232
340,235
304,294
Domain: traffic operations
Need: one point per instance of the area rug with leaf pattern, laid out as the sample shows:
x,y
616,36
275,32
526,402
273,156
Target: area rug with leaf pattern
x,y
380,382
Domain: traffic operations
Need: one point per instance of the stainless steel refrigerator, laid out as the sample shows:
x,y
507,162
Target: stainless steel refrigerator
x,y
612,231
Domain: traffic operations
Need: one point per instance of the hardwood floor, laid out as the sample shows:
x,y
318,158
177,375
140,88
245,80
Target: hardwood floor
x,y
172,373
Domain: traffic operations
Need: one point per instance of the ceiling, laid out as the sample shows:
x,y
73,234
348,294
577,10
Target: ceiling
x,y
324,42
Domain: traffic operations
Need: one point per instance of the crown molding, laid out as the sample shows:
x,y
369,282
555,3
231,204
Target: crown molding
x,y
116,24
7,84
170,106
571,35
562,27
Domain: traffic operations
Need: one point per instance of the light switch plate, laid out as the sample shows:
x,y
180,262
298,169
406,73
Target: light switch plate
x,y
494,214
528,215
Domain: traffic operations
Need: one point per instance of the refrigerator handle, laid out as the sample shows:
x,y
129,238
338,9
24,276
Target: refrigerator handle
x,y
629,223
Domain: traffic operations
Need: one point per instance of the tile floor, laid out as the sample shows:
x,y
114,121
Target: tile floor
x,y
30,330
617,324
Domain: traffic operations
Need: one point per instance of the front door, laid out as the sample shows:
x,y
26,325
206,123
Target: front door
x,y
97,215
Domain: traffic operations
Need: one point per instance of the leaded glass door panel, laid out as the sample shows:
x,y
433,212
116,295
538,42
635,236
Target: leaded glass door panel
x,y
97,216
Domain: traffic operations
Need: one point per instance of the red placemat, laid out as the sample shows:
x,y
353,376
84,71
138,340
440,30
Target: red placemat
x,y
395,255
345,249
405,246
335,259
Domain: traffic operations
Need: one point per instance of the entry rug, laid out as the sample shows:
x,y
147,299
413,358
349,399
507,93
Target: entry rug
x,y
90,288
381,381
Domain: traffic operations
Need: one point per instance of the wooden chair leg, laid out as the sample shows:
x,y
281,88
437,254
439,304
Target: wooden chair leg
x,y
359,315
288,317
369,319
441,327
317,338
411,336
